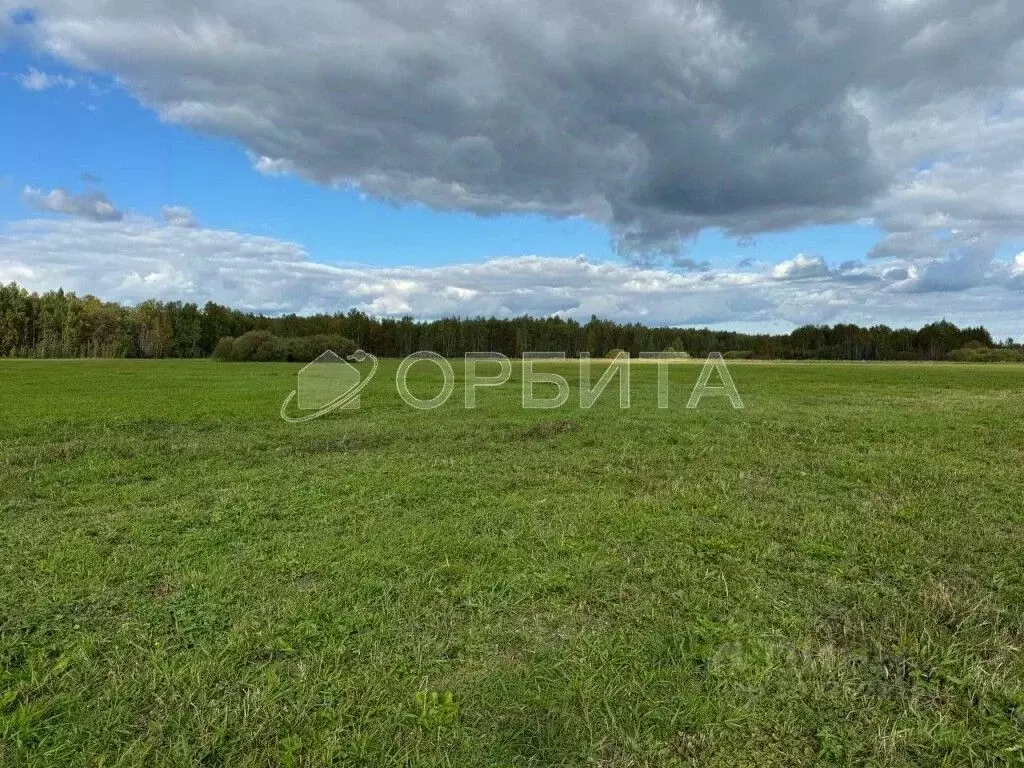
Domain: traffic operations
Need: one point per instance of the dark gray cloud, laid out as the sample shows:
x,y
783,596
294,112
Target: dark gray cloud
x,y
690,264
656,118
91,204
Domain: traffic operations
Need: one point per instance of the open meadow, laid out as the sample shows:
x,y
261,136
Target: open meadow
x,y
832,575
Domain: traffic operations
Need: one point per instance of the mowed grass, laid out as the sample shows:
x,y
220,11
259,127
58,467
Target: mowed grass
x,y
834,575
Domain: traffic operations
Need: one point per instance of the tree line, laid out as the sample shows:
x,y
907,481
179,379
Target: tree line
x,y
62,324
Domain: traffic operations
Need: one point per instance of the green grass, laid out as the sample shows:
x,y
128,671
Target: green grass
x,y
834,575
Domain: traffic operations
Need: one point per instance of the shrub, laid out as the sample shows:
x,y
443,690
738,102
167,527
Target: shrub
x,y
269,349
977,354
253,345
258,345
303,349
615,352
225,349
738,354
263,346
677,350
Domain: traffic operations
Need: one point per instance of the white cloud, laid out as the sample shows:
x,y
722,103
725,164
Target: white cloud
x,y
178,216
951,273
269,166
34,80
139,258
800,267
91,204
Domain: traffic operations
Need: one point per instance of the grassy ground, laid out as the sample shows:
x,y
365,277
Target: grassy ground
x,y
834,575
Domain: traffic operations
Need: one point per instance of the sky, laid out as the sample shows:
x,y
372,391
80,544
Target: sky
x,y
745,166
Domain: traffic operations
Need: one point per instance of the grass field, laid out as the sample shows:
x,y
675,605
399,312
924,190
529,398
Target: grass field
x,y
833,575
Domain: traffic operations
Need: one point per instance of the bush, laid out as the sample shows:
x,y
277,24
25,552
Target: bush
x,y
225,349
976,354
258,345
303,349
269,349
615,352
677,350
738,354
263,346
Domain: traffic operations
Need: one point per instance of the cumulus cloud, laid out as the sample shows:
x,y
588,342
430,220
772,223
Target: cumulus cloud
x,y
140,258
656,118
91,204
270,166
34,80
954,273
895,274
800,267
1016,280
178,216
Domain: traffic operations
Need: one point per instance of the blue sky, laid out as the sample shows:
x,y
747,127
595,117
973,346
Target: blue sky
x,y
53,138
60,136
898,206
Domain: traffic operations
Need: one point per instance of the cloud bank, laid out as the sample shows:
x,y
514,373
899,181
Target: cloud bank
x,y
655,118
140,258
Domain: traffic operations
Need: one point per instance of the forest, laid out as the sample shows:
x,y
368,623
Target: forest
x,y
60,324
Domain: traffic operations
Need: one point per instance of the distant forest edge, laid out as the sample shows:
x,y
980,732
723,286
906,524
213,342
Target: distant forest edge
x,y
61,324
